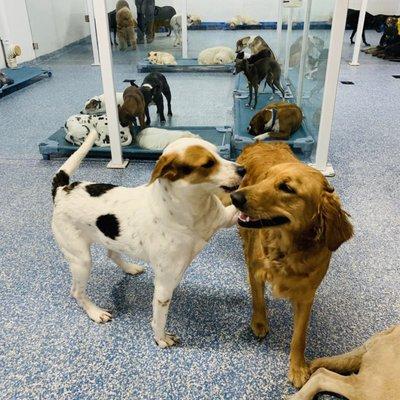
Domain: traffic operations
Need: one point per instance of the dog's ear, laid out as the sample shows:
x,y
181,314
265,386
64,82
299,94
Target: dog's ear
x,y
165,168
245,40
335,227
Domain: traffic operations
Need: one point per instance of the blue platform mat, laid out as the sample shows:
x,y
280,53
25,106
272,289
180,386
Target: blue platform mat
x,y
57,146
241,85
22,76
301,141
184,65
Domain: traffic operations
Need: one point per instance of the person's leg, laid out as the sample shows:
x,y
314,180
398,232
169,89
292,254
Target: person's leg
x,y
149,12
140,20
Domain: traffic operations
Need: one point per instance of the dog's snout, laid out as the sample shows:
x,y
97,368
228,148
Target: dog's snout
x,y
241,171
238,199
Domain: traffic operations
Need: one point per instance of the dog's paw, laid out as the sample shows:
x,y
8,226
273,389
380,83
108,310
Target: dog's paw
x,y
299,375
247,105
259,327
99,315
167,341
134,269
170,114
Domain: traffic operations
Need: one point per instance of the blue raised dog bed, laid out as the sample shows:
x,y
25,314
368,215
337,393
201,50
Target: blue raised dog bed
x,y
22,76
301,141
183,65
57,146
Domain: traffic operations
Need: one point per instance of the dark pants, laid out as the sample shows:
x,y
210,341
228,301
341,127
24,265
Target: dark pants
x,y
145,17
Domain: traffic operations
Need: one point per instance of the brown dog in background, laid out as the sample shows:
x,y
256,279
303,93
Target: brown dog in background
x,y
376,364
276,120
290,223
133,106
126,25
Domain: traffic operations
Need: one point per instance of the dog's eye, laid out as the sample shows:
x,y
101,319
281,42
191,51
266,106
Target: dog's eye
x,y
284,187
186,170
210,163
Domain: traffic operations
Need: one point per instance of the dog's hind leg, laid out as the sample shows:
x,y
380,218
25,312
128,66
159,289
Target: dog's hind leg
x,y
132,269
255,96
122,43
364,39
280,88
167,94
77,252
352,35
250,94
328,381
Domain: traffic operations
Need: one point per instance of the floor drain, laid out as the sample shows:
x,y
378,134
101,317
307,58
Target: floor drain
x,y
347,82
396,76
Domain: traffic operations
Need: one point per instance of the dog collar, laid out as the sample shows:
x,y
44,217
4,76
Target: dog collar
x,y
148,85
274,112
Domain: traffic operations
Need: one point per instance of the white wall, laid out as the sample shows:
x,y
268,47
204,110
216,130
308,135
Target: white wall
x,y
378,6
56,23
15,18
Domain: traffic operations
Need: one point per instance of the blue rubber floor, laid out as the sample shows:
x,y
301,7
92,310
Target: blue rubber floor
x,y
49,347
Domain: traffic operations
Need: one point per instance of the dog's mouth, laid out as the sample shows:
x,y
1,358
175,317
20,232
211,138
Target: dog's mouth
x,y
247,222
229,189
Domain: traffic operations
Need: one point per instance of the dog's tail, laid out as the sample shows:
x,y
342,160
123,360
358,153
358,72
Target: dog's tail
x,y
131,81
71,165
345,363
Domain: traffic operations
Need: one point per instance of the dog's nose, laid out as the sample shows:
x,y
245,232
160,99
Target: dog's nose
x,y
241,171
238,199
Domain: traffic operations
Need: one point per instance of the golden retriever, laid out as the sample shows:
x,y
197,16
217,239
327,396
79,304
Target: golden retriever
x,y
290,223
376,364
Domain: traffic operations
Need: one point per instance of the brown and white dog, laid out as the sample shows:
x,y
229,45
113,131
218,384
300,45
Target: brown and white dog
x,y
166,222
126,25
133,106
290,223
371,372
276,120
255,44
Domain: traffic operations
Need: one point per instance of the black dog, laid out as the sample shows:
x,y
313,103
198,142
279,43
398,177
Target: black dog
x,y
153,88
264,68
371,22
5,80
112,22
162,16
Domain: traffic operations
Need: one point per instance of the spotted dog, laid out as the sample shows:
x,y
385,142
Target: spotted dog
x,y
77,127
166,222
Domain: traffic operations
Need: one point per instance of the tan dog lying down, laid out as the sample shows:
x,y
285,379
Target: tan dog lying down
x,y
375,367
276,120
290,223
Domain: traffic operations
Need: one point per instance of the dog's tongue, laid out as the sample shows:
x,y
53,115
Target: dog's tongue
x,y
245,218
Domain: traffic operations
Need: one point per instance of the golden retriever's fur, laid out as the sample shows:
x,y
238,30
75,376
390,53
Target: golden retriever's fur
x,y
376,364
293,256
126,25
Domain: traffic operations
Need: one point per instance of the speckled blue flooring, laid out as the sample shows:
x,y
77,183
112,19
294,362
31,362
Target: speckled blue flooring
x,y
49,349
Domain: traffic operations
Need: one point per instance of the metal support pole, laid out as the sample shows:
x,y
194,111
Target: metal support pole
x,y
356,53
287,48
184,30
279,28
304,47
101,18
93,34
5,33
331,80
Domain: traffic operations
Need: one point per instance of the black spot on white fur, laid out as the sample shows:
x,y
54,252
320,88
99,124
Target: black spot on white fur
x,y
60,179
98,189
108,225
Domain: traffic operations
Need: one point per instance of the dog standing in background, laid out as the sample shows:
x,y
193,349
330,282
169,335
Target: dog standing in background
x,y
126,25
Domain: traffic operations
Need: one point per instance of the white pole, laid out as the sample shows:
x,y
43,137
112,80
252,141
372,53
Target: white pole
x,y
279,28
287,48
5,32
101,18
356,53
184,30
93,34
304,46
331,80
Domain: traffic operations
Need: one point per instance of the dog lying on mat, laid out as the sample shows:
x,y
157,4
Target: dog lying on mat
x,y
97,105
77,128
161,58
216,56
276,121
374,369
166,222
291,221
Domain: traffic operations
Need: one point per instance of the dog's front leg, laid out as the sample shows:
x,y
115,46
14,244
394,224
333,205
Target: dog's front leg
x,y
250,94
299,371
167,278
148,120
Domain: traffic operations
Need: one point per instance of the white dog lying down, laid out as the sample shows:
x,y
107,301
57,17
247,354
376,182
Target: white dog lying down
x,y
166,222
242,20
77,128
161,58
216,55
375,369
159,139
97,105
